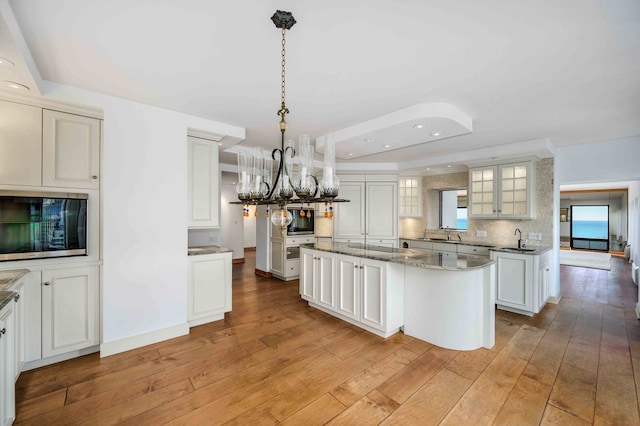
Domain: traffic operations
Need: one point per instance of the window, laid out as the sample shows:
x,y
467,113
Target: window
x,y
409,204
590,227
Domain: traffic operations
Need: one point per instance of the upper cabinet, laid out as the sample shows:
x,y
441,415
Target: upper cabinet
x,y
502,191
204,183
371,215
70,150
20,144
40,147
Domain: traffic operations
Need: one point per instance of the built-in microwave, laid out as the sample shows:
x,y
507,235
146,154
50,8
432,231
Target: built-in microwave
x,y
302,222
42,224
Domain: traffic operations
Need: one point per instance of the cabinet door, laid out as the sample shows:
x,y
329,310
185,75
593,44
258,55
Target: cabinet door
x,y
70,310
204,183
381,210
70,150
20,144
7,350
209,285
349,220
482,202
278,257
514,274
325,279
19,318
515,191
374,289
348,291
307,274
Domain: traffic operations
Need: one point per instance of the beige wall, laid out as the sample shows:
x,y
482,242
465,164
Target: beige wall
x,y
499,232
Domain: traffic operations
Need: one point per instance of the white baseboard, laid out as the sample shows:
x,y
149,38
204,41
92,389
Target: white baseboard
x,y
555,299
638,310
30,365
134,342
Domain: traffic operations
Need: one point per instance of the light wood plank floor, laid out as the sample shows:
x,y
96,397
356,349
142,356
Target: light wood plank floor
x,y
275,360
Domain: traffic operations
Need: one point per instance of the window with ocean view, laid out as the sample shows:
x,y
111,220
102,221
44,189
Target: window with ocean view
x,y
590,222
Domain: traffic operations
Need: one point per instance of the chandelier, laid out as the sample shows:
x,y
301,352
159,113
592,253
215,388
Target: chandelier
x,y
294,180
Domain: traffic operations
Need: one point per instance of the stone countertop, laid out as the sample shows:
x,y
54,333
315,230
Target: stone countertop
x,y
7,281
442,240
11,277
421,258
531,250
195,251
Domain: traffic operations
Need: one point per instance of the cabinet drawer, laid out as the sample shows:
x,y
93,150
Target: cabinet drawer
x,y
444,247
293,241
477,250
421,244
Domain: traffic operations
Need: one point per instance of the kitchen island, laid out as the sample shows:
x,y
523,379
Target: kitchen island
x,y
443,298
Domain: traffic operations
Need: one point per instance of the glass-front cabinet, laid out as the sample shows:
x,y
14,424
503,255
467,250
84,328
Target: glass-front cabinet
x,y
502,191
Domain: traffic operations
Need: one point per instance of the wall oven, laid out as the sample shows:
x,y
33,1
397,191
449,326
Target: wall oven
x,y
42,224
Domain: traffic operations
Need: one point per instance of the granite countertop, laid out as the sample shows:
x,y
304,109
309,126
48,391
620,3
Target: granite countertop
x,y
421,258
7,280
442,240
195,251
531,250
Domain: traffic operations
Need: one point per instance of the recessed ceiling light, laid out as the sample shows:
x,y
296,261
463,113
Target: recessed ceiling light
x,y
6,63
387,146
449,165
428,168
219,143
15,86
350,155
434,134
368,140
418,126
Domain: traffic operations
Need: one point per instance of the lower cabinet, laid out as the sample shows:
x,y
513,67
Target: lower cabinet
x,y
209,287
70,310
7,365
522,281
368,293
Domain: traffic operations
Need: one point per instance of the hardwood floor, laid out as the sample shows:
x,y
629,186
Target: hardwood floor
x,y
275,360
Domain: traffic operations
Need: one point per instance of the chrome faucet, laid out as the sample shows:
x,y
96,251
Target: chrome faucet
x,y
459,237
520,244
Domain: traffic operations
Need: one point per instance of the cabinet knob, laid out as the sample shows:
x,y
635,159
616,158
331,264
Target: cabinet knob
x,y
3,331
15,299
94,177
47,283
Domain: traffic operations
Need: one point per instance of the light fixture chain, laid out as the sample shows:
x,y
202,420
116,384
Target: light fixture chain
x,y
283,63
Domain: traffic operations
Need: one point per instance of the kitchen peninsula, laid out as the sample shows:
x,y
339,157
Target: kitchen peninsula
x,y
443,298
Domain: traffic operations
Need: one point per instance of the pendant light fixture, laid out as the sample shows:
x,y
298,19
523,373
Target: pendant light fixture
x,y
294,181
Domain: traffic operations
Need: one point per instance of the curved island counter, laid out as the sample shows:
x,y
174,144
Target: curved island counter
x,y
447,299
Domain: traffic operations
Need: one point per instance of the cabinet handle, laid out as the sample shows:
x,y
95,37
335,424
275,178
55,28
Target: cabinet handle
x,y
3,331
47,283
15,299
94,177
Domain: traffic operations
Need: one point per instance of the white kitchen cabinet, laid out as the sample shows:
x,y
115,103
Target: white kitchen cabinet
x,y
502,191
209,287
522,281
70,310
7,365
349,222
317,282
371,216
70,150
285,256
204,183
349,286
441,246
20,144
20,330
367,293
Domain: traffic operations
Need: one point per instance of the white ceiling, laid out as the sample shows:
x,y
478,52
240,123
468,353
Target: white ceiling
x,y
565,70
